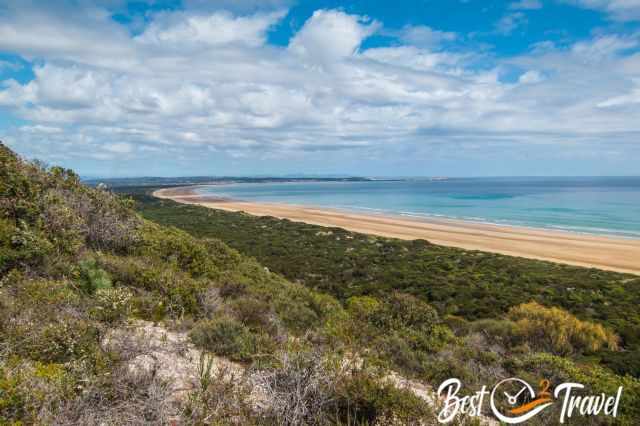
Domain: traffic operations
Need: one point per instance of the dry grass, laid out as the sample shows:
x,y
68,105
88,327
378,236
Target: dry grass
x,y
129,398
299,390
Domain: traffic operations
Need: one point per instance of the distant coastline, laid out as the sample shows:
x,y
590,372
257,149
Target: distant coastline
x,y
223,180
602,252
605,206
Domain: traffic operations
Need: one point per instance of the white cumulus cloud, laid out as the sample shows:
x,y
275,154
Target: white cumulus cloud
x,y
621,10
331,34
208,81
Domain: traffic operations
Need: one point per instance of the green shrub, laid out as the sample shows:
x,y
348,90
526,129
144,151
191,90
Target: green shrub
x,y
173,245
148,306
503,332
458,325
53,205
48,322
92,277
177,292
298,317
22,246
364,308
221,255
400,331
60,341
45,297
622,362
225,337
405,310
254,313
396,312
362,398
399,353
233,285
20,184
65,226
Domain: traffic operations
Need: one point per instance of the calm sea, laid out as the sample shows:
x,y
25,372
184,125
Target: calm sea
x,y
601,205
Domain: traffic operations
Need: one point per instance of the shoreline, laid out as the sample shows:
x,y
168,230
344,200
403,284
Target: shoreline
x,y
586,250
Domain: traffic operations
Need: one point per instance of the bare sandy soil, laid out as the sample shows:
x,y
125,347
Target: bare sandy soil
x,y
609,253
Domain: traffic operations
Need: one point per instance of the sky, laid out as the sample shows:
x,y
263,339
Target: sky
x,y
284,87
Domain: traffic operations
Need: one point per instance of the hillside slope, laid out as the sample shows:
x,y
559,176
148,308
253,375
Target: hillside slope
x,y
83,278
77,264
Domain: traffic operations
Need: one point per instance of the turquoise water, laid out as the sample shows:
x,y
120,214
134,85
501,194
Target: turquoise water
x,y
602,205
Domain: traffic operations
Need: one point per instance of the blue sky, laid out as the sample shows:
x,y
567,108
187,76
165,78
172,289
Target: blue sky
x,y
246,87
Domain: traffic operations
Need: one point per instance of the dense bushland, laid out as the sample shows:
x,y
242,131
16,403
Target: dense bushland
x,y
471,285
78,263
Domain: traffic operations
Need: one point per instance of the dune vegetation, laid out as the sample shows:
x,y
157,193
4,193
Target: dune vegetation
x,y
463,286
108,317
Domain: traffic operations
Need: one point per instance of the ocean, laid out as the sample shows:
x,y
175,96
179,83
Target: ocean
x,y
591,205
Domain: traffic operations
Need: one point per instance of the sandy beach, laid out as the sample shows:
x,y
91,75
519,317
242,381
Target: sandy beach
x,y
609,253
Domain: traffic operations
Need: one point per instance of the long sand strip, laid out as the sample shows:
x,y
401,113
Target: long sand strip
x,y
609,253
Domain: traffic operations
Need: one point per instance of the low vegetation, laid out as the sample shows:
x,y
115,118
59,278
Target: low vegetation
x,y
77,264
468,285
